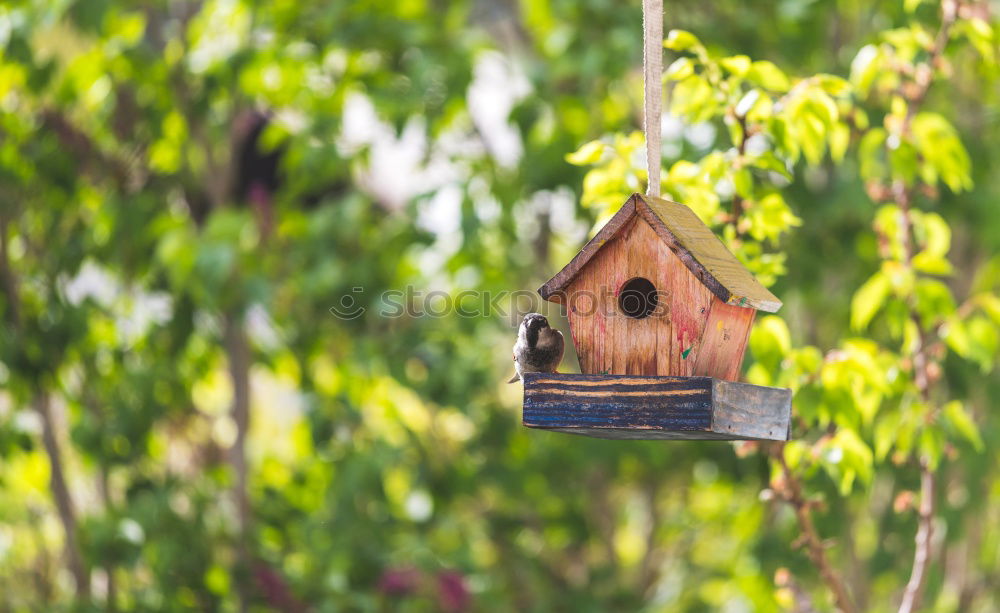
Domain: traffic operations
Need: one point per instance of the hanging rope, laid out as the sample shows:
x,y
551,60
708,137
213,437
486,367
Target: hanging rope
x,y
652,75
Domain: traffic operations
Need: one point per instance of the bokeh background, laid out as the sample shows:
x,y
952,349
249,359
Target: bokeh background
x,y
187,188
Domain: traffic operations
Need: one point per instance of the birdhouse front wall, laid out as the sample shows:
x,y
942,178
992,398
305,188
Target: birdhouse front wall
x,y
690,332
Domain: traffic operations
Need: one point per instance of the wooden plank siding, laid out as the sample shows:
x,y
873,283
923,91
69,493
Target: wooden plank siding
x,y
724,341
608,341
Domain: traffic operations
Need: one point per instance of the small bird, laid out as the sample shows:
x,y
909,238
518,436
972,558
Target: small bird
x,y
539,348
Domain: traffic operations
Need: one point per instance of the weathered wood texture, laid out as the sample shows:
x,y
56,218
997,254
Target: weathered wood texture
x,y
723,342
706,255
691,241
608,341
691,332
753,411
637,407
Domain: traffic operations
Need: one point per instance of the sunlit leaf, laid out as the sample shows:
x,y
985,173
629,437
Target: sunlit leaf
x,y
738,65
680,40
587,154
956,415
868,299
680,69
768,76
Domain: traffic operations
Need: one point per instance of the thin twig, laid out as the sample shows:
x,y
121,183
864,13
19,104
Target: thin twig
x,y
9,280
924,77
649,567
921,558
741,148
238,354
61,495
791,492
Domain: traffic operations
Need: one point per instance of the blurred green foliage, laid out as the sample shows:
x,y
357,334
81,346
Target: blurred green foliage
x,y
843,150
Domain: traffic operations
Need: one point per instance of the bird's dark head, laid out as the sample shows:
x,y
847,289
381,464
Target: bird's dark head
x,y
534,322
530,326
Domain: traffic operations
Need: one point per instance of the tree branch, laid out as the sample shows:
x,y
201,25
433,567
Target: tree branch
x,y
57,480
741,147
791,492
9,280
649,566
923,78
921,558
238,354
63,500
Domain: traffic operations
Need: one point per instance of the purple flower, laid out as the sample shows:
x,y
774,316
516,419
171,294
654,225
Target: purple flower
x,y
398,581
453,595
275,589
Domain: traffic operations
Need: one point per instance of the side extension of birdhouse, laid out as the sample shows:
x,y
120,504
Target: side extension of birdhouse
x,y
657,293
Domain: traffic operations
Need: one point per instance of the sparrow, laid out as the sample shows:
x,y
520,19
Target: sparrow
x,y
539,347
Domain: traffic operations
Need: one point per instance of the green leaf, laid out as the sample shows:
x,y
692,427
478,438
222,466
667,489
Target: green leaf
x,y
846,457
693,98
770,341
904,162
980,34
934,233
811,114
834,85
796,453
738,65
987,278
587,154
984,342
735,129
768,76
866,67
981,27
932,446
867,301
990,304
743,182
681,40
942,150
770,217
885,433
681,68
931,264
762,108
856,452
976,339
769,161
870,154
956,336
840,138
963,424
934,301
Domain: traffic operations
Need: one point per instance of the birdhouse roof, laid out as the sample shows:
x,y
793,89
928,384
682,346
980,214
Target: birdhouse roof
x,y
690,239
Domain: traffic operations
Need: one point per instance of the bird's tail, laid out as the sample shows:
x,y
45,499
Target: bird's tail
x,y
514,379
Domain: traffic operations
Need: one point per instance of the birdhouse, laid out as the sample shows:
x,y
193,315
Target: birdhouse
x,y
660,313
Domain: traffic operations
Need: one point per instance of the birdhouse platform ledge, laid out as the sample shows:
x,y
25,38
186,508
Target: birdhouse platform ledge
x,y
656,407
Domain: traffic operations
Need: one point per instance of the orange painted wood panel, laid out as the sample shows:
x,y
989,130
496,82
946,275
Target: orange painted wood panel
x,y
720,353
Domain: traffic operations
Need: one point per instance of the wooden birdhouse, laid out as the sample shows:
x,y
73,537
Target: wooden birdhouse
x,y
660,313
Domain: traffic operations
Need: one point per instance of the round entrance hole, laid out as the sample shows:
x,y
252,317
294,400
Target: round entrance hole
x,y
638,298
